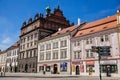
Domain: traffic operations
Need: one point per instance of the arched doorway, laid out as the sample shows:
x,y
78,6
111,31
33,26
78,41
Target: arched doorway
x,y
55,69
77,70
26,67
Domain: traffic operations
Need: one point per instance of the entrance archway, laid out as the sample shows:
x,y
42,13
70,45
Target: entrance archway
x,y
26,67
55,69
77,70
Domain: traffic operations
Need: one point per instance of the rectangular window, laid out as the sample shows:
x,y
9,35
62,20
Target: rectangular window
x,y
48,46
113,68
35,35
42,56
102,39
41,68
48,55
31,36
77,55
63,53
76,43
41,47
63,43
28,38
55,54
55,45
87,41
89,54
90,68
27,45
48,68
106,38
31,44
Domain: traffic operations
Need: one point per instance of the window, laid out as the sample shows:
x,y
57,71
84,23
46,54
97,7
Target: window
x,y
31,53
77,55
35,43
55,54
90,68
27,45
41,47
48,68
48,55
23,46
31,36
24,39
33,65
89,54
55,45
35,35
28,38
34,52
42,56
63,53
89,41
31,44
27,54
41,68
113,68
104,38
63,43
48,46
76,43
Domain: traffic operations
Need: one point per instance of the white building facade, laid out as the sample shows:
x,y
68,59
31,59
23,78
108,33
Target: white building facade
x,y
2,61
12,59
54,53
103,33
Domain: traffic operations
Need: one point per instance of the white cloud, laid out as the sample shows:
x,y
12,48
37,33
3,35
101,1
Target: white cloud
x,y
6,40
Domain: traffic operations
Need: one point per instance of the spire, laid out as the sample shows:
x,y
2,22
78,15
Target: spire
x,y
48,10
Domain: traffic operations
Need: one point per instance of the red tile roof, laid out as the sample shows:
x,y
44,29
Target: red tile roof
x,y
100,22
69,29
99,25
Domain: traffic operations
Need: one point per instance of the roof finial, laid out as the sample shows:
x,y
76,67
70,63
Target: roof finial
x,y
58,4
48,10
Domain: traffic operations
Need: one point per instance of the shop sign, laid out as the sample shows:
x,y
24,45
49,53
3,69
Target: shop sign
x,y
44,64
89,62
77,62
108,62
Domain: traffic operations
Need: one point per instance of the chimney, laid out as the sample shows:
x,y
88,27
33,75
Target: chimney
x,y
59,29
118,11
78,21
118,16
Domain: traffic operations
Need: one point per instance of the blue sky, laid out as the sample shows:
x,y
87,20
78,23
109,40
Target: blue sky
x,y
14,12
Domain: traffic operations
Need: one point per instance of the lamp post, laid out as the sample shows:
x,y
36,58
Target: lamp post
x,y
98,50
99,57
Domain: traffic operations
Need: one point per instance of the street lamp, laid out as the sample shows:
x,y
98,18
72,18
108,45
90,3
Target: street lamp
x,y
102,51
98,50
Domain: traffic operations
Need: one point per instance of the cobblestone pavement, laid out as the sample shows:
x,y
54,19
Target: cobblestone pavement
x,y
24,76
